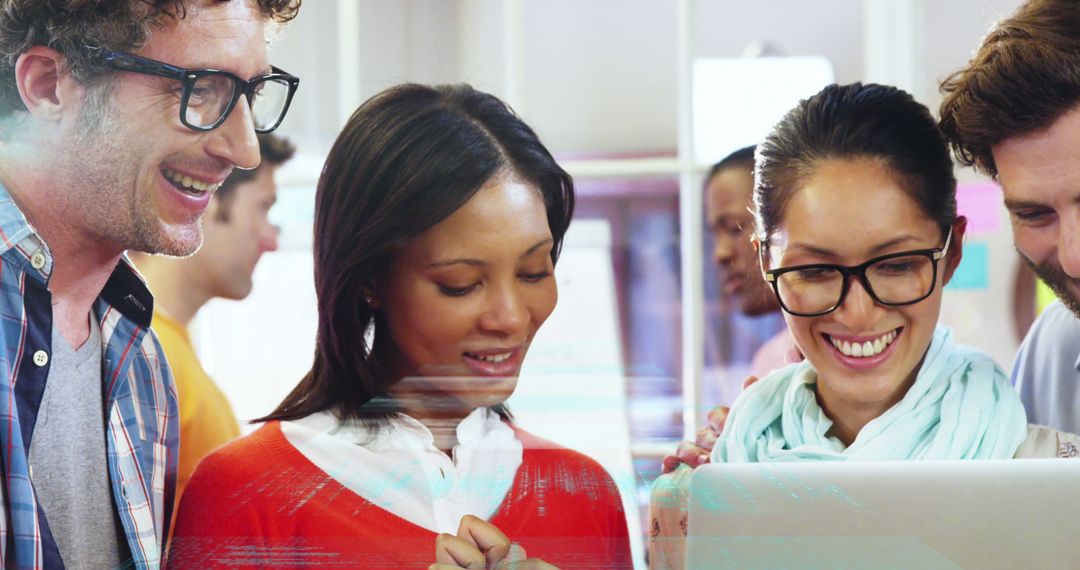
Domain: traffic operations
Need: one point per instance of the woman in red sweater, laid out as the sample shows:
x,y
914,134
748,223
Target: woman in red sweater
x,y
439,218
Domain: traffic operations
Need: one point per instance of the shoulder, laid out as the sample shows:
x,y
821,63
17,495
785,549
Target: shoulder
x,y
1045,442
253,474
247,458
775,353
565,465
551,452
1050,348
1055,323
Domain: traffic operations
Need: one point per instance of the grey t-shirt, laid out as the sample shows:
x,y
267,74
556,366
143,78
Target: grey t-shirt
x,y
68,457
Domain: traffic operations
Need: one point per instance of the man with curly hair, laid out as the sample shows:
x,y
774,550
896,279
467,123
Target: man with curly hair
x,y
1014,113
118,121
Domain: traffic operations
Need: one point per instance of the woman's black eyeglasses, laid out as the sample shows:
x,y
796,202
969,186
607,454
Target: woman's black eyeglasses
x,y
894,280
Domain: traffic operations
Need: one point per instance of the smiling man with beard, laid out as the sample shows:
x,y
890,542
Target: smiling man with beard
x,y
237,232
118,121
1014,113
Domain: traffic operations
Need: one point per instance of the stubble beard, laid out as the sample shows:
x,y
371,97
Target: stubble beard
x,y
107,198
1058,281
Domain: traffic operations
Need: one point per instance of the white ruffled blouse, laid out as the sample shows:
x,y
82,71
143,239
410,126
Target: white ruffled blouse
x,y
400,470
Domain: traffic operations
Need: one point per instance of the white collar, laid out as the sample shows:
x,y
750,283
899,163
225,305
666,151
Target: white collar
x,y
381,465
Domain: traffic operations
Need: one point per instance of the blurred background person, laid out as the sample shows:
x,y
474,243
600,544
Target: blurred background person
x,y
237,232
729,190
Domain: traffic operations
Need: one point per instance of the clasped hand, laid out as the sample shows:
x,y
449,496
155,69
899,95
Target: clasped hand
x,y
480,545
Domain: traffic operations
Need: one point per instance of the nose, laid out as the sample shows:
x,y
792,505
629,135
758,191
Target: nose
x,y
268,241
723,251
506,312
858,311
234,142
1069,244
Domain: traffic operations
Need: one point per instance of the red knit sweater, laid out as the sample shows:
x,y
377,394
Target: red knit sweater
x,y
258,502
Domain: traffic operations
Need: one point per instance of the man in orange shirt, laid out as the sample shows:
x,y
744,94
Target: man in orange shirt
x,y
237,232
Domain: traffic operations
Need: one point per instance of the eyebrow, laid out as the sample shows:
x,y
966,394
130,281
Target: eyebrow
x,y
719,219
477,262
1023,204
825,252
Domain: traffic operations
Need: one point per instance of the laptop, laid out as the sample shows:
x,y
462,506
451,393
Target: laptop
x,y
1015,514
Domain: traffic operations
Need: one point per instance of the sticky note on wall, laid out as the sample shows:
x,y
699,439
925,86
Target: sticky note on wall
x,y
974,269
981,203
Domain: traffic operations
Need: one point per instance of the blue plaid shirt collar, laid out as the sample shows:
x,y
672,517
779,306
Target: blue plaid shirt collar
x,y
126,290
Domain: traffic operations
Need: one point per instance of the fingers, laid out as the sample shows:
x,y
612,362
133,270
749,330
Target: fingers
x,y
696,453
454,552
517,554
486,537
529,564
691,454
669,463
751,379
706,437
716,417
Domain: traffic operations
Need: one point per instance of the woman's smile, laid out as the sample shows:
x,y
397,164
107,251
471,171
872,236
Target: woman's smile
x,y
861,352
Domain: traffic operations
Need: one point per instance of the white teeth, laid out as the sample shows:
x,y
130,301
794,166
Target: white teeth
x,y
493,358
188,182
865,349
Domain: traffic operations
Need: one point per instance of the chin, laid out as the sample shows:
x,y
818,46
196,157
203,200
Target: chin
x,y
757,306
181,243
492,393
238,293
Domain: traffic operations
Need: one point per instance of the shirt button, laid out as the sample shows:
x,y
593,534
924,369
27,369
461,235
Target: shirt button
x,y
41,358
37,261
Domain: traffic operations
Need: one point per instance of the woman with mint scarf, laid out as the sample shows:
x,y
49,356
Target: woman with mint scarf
x,y
857,234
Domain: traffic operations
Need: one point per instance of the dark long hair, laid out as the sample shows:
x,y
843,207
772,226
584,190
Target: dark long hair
x,y
406,160
850,122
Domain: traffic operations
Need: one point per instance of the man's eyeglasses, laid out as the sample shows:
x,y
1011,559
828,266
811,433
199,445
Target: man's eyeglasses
x,y
893,280
209,95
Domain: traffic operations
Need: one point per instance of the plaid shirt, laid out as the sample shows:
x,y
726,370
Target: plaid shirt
x,y
140,401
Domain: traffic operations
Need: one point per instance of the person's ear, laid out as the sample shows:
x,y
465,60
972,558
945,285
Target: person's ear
x,y
956,249
762,253
43,82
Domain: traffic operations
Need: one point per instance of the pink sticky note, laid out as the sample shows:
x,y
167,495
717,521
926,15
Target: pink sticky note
x,y
981,202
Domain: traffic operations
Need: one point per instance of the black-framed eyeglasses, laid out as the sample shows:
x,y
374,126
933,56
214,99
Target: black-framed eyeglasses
x,y
209,95
894,280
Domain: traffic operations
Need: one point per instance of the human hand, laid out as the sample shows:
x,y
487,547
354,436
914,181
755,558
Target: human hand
x,y
481,545
696,453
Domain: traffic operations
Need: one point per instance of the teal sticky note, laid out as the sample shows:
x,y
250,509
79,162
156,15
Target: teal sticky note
x,y
974,270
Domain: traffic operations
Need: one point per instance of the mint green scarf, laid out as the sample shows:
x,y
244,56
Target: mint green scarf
x,y
961,406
